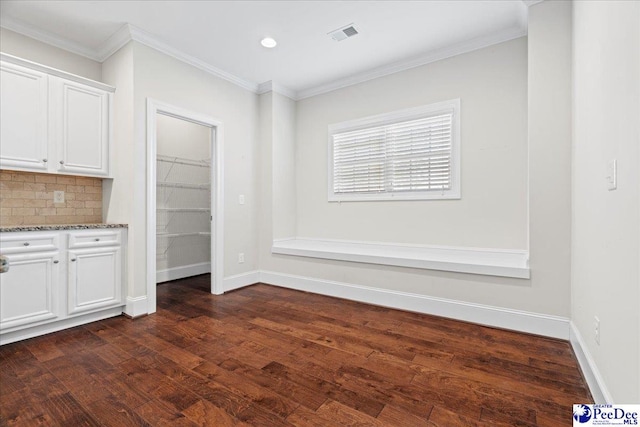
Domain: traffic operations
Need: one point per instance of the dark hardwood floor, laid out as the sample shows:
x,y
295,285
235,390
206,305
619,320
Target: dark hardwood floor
x,y
266,356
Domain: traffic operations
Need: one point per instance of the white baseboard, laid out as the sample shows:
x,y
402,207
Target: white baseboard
x,y
136,306
240,280
522,321
35,331
184,271
589,368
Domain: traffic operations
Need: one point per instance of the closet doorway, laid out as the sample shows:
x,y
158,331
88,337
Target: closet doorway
x,y
184,197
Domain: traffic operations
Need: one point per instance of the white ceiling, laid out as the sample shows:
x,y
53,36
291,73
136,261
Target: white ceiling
x,y
224,36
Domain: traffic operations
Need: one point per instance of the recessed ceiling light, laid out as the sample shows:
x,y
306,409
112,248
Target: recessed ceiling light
x,y
268,42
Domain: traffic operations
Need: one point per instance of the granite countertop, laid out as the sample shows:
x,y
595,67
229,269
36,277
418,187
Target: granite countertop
x,y
60,227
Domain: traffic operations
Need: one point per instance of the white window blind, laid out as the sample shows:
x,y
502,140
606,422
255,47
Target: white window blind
x,y
413,158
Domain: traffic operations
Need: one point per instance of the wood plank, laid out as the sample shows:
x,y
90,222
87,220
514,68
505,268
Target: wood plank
x,y
290,390
158,414
114,412
441,417
20,409
345,395
67,411
269,356
206,414
261,396
393,416
43,349
346,416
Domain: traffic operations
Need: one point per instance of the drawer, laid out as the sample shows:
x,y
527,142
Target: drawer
x,y
94,238
17,243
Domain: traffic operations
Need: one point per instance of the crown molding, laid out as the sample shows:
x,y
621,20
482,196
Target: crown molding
x,y
48,38
125,34
531,2
115,42
265,87
465,47
272,86
128,32
147,39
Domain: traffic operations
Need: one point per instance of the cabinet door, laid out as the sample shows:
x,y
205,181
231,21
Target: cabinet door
x,y
95,279
81,126
29,290
23,118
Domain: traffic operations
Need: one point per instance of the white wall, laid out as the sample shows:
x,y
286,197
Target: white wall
x,y
492,213
275,154
118,200
606,224
180,138
42,53
284,176
492,84
549,112
168,80
522,186
264,181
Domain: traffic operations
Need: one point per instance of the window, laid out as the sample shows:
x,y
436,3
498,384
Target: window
x,y
404,155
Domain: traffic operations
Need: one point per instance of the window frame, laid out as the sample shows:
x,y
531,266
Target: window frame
x,y
395,117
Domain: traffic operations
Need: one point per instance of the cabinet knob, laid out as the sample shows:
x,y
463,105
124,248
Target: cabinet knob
x,y
62,162
97,240
56,261
26,243
73,259
44,160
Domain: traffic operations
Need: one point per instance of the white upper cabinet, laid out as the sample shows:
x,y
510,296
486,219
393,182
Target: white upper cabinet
x,y
81,121
23,118
52,121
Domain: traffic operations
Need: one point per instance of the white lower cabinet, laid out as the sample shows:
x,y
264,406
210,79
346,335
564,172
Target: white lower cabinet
x,y
29,291
59,279
95,279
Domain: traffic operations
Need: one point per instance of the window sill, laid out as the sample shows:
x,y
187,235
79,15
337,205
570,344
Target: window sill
x,y
489,262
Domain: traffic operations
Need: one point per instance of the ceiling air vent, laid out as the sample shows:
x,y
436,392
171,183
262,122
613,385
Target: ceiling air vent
x,y
343,33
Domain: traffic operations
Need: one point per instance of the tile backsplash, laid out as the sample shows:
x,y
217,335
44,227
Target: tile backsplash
x,y
27,199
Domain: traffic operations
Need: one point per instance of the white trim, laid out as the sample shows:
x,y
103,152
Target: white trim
x,y
55,72
530,3
241,280
182,271
114,43
154,108
47,328
136,306
129,32
433,56
597,386
522,321
271,86
47,37
490,262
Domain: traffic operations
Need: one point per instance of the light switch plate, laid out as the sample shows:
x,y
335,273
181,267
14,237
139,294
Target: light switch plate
x,y
612,175
58,197
241,199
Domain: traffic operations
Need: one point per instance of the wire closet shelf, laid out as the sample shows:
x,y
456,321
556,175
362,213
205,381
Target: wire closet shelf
x,y
183,200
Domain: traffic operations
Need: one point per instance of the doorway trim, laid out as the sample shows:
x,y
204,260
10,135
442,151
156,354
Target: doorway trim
x,y
155,107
